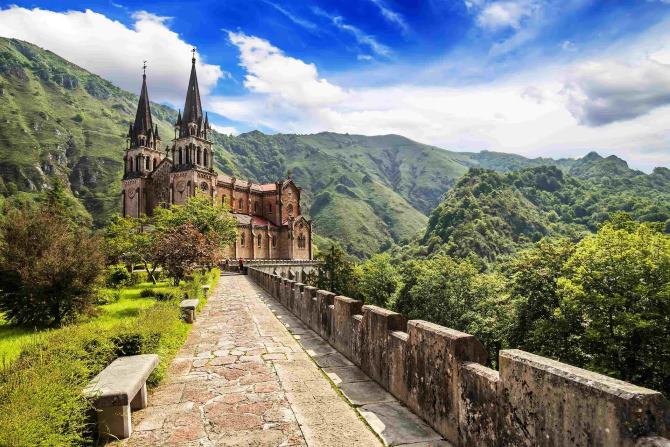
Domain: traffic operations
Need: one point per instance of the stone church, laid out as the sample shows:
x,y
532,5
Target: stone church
x,y
270,224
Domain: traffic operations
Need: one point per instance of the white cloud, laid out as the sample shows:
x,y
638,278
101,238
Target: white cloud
x,y
269,71
112,50
500,15
293,18
392,16
361,37
226,130
530,114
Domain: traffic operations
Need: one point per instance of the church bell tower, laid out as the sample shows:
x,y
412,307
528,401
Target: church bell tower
x,y
142,155
191,151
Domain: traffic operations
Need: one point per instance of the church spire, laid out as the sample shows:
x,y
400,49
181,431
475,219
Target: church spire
x,y
192,117
143,124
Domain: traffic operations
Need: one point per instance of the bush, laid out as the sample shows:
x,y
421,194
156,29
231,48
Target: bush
x,y
117,276
107,296
146,293
169,295
138,278
49,267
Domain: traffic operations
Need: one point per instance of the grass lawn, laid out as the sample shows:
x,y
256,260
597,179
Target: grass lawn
x,y
14,339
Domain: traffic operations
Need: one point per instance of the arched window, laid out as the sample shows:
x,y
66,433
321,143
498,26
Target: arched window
x,y
147,162
130,167
205,157
255,207
198,156
242,240
274,241
223,200
239,204
181,157
289,209
155,162
269,207
259,239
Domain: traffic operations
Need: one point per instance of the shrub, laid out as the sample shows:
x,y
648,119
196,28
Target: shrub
x,y
49,267
138,278
169,295
107,296
117,276
146,293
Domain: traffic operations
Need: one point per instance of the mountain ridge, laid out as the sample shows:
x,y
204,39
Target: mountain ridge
x,y
367,192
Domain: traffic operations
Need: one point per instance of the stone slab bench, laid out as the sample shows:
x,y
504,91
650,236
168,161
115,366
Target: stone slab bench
x,y
188,309
120,387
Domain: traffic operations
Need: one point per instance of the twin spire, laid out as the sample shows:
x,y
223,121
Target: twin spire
x,y
192,122
143,132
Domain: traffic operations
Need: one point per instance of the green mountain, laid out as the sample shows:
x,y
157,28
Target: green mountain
x,y
490,214
58,120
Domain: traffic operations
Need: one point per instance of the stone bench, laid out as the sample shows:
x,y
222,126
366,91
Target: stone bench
x,y
188,310
120,387
205,289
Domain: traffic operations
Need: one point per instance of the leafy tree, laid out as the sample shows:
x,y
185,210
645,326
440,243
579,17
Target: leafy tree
x,y
49,267
454,294
618,284
213,221
533,283
379,280
183,249
130,241
336,273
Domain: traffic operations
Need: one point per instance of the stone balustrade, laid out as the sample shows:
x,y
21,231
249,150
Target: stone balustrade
x,y
439,374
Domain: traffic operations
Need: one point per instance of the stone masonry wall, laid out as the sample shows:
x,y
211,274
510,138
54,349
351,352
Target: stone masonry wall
x,y
439,374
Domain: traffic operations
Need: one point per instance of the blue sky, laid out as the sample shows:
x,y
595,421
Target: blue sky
x,y
535,77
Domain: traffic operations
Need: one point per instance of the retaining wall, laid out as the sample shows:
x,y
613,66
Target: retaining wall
x,y
439,374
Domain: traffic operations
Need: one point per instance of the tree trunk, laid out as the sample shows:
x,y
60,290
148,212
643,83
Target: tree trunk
x,y
150,272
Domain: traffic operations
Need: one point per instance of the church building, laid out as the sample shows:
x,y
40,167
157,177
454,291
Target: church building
x,y
270,224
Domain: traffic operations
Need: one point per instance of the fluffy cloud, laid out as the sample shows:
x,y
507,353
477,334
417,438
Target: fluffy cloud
x,y
271,72
606,92
112,50
505,14
531,114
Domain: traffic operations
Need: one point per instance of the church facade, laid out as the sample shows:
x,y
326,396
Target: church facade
x,y
270,224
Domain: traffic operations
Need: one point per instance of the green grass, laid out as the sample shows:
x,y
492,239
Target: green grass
x,y
129,305
14,339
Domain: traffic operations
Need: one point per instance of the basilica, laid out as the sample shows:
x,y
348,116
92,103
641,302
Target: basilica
x,y
270,224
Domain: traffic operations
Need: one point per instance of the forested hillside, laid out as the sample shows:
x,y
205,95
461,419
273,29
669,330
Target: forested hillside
x,y
490,214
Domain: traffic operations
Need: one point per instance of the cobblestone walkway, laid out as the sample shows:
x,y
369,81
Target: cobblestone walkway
x,y
242,380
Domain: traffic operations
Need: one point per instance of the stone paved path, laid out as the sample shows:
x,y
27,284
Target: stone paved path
x,y
241,379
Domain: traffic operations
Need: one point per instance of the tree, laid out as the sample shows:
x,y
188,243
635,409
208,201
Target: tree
x,y
533,283
617,283
49,267
336,273
183,249
378,280
208,219
454,294
130,241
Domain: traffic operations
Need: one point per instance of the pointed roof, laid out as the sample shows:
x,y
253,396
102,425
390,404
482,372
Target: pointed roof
x,y
192,106
143,123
